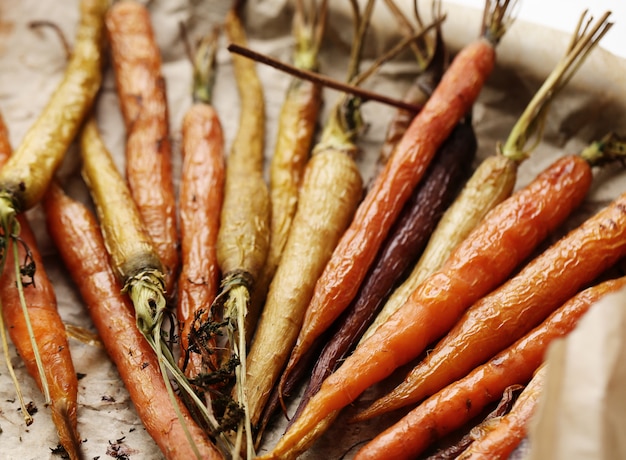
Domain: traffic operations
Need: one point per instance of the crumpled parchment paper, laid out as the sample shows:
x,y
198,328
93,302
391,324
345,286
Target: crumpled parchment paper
x,y
32,62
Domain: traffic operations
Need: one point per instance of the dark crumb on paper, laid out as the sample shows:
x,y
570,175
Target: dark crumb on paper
x,y
108,398
31,408
131,430
60,451
119,450
80,375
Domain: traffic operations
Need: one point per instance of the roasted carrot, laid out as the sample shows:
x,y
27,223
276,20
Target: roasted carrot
x,y
358,246
494,179
330,192
504,315
59,383
406,239
503,435
506,236
25,177
243,237
296,127
200,204
461,401
134,260
141,88
77,237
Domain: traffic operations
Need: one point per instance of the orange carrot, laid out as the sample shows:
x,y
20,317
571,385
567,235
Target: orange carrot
x,y
503,435
200,205
77,237
141,88
459,402
59,383
505,238
451,100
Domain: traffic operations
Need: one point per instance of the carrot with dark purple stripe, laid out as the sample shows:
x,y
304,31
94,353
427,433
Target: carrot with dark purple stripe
x,y
403,245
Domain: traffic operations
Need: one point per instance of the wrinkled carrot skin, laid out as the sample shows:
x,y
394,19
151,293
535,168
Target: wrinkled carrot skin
x,y
452,99
498,319
404,244
330,192
142,94
200,204
31,167
88,263
492,182
500,441
48,329
459,402
505,238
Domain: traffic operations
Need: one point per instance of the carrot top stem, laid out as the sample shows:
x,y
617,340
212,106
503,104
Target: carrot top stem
x,y
308,32
610,148
204,61
497,17
532,119
146,292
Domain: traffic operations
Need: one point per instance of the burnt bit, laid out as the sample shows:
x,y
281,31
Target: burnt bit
x,y
60,451
108,398
31,408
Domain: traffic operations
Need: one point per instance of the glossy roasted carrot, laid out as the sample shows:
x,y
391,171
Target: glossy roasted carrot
x,y
494,179
459,402
200,205
56,377
141,88
502,436
344,272
77,237
498,319
506,236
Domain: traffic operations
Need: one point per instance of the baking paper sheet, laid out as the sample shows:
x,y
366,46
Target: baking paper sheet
x,y
32,62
